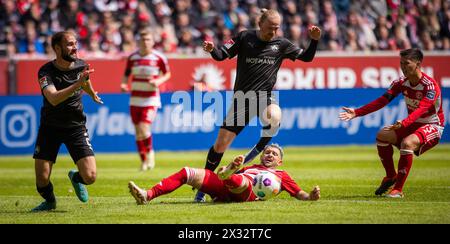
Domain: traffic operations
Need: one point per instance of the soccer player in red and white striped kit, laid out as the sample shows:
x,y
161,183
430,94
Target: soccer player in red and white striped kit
x,y
415,134
232,183
149,69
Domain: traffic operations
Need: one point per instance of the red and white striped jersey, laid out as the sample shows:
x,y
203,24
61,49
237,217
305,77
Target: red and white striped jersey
x,y
287,183
423,101
143,70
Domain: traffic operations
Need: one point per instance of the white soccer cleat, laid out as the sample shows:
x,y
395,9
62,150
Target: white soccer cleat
x,y
144,166
151,160
395,194
225,172
139,194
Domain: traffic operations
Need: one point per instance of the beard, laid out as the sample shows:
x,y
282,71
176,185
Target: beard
x,y
68,57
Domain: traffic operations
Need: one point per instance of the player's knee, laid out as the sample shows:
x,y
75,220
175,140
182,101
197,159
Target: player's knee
x,y
385,136
90,177
409,144
42,180
194,177
272,116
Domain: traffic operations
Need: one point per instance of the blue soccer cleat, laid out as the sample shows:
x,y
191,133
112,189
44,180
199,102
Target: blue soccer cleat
x,y
200,197
80,189
44,206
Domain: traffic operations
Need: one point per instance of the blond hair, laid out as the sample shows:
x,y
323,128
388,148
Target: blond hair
x,y
266,13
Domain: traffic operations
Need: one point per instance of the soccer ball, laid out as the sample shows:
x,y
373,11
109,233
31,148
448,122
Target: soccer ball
x,y
266,185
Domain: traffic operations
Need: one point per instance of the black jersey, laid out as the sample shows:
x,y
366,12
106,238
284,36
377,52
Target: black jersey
x,y
258,61
68,113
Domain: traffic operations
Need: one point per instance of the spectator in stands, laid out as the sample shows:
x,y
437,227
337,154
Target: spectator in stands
x,y
128,44
31,44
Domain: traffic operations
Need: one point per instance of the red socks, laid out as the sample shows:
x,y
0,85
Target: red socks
x,y
404,166
234,181
144,147
168,184
386,152
148,143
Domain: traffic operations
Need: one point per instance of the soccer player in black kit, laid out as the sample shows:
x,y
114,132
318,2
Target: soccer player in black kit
x,y
260,54
63,120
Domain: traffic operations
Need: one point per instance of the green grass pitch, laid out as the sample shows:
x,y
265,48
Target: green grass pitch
x,y
348,177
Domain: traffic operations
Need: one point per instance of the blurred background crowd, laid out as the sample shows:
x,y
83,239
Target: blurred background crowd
x,y
108,28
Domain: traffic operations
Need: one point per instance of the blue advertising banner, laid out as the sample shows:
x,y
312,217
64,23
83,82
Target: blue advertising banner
x,y
190,121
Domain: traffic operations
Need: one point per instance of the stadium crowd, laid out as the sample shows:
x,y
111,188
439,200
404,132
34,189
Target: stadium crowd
x,y
108,28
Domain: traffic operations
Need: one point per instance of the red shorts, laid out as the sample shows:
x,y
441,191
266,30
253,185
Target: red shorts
x,y
143,114
428,134
219,192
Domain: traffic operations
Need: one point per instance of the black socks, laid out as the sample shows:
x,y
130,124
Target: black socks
x,y
47,192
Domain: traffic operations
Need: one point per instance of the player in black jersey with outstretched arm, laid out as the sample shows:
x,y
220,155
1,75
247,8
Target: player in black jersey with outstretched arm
x,y
63,120
260,54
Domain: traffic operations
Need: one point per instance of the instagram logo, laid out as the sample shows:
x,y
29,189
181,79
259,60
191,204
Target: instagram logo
x,y
17,125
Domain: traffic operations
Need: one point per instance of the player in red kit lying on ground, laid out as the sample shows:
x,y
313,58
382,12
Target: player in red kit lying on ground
x,y
230,184
417,133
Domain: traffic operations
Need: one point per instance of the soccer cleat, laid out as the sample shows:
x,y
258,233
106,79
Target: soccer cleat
x,y
200,197
139,194
151,160
144,166
225,172
44,206
80,189
385,185
395,194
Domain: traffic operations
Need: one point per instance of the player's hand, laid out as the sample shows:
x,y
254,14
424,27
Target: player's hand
x,y
348,114
314,195
396,126
124,87
314,32
239,160
85,73
208,46
154,83
96,98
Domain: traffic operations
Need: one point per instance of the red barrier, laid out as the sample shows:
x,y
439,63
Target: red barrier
x,y
323,72
3,77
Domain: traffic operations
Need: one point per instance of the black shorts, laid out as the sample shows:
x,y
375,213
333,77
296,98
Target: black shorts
x,y
49,140
242,111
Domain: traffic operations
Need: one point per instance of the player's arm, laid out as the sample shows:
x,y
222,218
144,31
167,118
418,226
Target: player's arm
x,y
308,54
89,89
163,78
290,186
424,106
124,84
314,195
216,54
375,105
55,97
229,49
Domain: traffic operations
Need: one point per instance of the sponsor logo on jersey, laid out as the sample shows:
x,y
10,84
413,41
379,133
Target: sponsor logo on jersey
x,y
43,82
274,48
228,44
431,94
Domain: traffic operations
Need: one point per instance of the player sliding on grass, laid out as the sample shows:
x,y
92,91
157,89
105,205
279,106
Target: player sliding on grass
x,y
63,120
417,133
260,54
230,184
